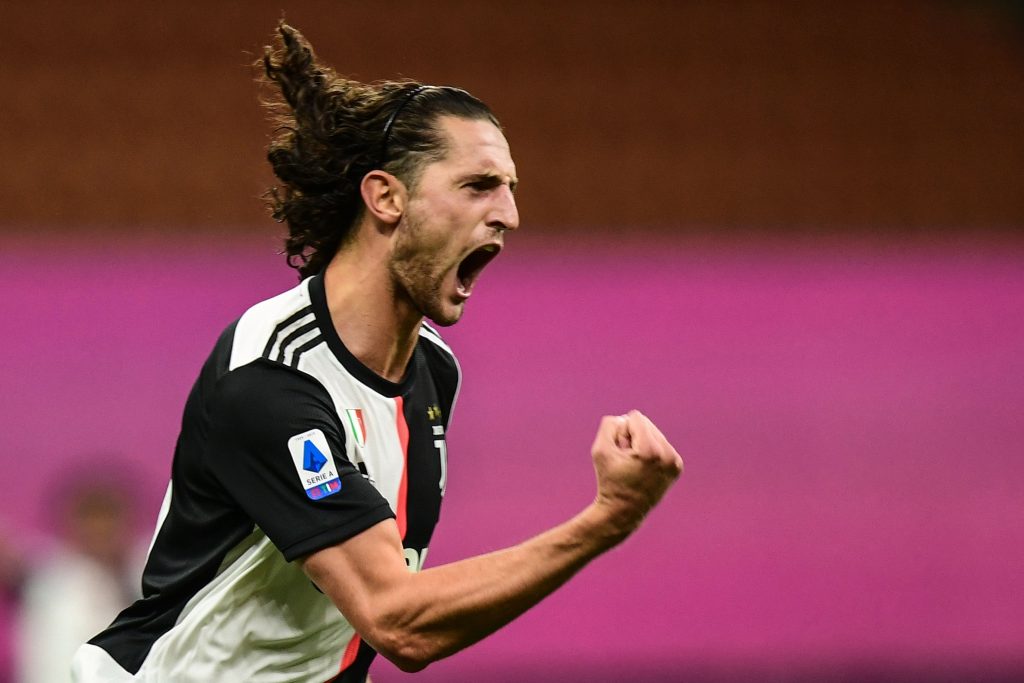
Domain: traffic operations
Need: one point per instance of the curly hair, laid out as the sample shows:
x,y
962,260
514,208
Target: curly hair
x,y
331,131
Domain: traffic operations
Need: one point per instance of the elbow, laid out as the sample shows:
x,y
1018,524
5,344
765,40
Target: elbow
x,y
409,652
409,666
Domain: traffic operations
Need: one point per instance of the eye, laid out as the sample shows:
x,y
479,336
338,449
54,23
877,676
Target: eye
x,y
485,184
480,186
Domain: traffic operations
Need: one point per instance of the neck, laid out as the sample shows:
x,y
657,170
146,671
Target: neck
x,y
377,326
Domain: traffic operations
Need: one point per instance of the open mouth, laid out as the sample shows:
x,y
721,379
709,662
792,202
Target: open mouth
x,y
470,268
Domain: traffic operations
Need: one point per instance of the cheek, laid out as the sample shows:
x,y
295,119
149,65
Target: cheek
x,y
447,209
446,232
446,222
442,227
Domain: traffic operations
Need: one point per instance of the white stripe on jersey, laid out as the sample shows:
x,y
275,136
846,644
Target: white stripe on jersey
x,y
428,332
257,325
165,507
296,344
276,349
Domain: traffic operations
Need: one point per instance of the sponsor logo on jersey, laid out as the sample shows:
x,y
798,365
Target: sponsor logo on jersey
x,y
434,412
314,464
356,425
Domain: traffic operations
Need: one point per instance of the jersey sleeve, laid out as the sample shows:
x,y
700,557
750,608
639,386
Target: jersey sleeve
x,y
276,447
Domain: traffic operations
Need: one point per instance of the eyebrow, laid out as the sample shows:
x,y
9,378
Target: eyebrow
x,y
490,178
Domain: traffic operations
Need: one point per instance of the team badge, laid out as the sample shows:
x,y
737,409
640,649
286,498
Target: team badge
x,y
315,464
356,425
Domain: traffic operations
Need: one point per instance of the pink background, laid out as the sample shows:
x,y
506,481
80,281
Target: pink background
x,y
850,413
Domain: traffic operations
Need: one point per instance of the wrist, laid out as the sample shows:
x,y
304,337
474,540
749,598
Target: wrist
x,y
605,524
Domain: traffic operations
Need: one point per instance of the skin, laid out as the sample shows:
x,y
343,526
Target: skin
x,y
461,203
402,266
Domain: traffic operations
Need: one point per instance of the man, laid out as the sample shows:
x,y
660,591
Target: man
x,y
311,463
90,575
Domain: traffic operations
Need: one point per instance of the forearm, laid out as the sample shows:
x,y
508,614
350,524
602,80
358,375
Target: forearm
x,y
452,606
427,616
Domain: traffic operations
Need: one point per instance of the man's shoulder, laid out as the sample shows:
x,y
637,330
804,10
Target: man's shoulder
x,y
266,327
264,389
266,376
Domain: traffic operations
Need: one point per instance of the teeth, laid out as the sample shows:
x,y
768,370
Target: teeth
x,y
490,248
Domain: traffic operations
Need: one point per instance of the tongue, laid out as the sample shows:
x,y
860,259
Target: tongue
x,y
463,287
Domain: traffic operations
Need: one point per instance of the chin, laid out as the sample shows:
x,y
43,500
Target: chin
x,y
445,320
444,316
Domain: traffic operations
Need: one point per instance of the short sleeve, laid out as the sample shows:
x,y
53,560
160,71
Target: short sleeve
x,y
276,447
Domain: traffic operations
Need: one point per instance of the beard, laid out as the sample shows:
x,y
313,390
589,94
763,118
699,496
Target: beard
x,y
418,266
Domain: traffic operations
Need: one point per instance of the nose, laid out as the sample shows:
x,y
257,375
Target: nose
x,y
504,215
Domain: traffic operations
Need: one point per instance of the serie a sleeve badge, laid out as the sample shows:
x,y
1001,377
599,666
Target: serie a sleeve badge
x,y
315,464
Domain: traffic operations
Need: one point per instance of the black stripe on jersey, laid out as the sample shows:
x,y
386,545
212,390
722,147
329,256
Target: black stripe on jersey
x,y
281,326
299,331
315,341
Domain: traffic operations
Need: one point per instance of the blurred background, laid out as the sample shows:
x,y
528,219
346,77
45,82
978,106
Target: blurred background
x,y
792,233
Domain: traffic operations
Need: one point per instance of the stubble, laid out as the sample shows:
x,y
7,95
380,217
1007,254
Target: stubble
x,y
418,265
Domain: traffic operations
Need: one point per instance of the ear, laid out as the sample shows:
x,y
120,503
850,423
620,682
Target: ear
x,y
384,196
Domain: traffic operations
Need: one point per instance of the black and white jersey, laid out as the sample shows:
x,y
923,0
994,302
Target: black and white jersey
x,y
288,445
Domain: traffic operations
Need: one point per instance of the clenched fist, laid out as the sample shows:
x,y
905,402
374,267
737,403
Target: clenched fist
x,y
635,466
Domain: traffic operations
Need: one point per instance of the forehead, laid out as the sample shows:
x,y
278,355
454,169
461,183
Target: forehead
x,y
475,146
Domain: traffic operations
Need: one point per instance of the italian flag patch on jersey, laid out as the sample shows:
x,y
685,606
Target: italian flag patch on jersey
x,y
356,425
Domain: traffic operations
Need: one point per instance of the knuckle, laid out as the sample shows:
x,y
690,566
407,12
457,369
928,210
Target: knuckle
x,y
647,456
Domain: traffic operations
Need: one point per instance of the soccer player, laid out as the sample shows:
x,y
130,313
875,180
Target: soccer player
x,y
311,462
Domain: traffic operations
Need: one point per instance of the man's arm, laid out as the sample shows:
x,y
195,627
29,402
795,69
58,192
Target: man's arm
x,y
415,619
